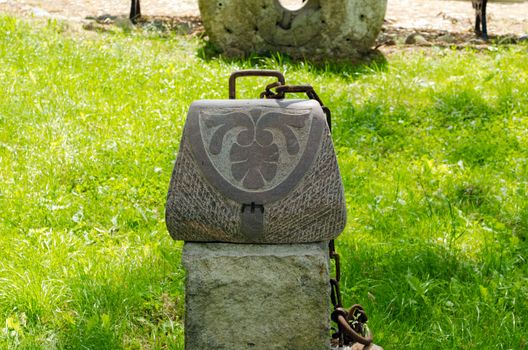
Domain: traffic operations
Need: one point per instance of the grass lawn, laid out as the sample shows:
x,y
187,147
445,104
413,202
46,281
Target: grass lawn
x,y
432,147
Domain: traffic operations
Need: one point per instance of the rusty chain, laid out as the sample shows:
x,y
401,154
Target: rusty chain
x,y
281,90
352,324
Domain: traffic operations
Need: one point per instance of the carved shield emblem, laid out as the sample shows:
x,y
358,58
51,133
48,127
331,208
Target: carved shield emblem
x,y
255,154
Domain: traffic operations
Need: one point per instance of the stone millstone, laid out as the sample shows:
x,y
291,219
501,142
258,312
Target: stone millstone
x,y
318,31
260,297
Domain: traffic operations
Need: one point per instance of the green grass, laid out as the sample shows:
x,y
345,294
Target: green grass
x,y
432,148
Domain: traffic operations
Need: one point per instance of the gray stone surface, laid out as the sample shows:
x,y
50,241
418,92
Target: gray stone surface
x,y
259,297
256,171
416,39
320,30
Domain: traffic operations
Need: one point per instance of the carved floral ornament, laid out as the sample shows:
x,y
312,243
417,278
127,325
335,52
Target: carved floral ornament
x,y
254,149
256,171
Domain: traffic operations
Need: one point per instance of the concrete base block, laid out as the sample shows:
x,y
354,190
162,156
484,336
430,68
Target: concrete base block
x,y
259,297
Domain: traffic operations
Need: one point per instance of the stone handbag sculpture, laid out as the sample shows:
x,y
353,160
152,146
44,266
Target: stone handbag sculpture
x,y
256,171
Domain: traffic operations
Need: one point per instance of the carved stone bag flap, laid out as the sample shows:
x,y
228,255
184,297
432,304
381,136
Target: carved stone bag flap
x,y
256,171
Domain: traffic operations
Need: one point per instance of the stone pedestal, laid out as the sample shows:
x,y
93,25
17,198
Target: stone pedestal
x,y
259,297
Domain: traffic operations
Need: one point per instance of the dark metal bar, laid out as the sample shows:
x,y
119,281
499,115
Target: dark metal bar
x,y
135,11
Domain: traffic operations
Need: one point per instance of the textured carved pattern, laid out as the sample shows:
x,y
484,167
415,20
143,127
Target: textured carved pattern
x,y
254,150
310,208
195,210
310,212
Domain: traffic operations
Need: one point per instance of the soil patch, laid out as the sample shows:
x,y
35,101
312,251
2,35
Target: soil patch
x,y
418,23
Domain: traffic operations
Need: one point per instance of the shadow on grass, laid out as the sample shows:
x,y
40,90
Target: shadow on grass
x,y
417,285
374,61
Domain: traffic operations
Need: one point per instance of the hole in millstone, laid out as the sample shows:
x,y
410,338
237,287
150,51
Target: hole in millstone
x,y
220,4
292,5
362,17
229,30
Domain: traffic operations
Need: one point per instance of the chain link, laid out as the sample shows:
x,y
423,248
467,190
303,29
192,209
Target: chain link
x,y
352,324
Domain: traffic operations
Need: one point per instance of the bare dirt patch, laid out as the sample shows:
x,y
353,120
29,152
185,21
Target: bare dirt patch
x,y
407,23
426,23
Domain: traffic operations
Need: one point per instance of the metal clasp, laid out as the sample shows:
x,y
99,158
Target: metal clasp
x,y
252,221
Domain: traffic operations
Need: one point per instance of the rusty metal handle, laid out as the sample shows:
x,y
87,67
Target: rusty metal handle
x,y
308,90
252,73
